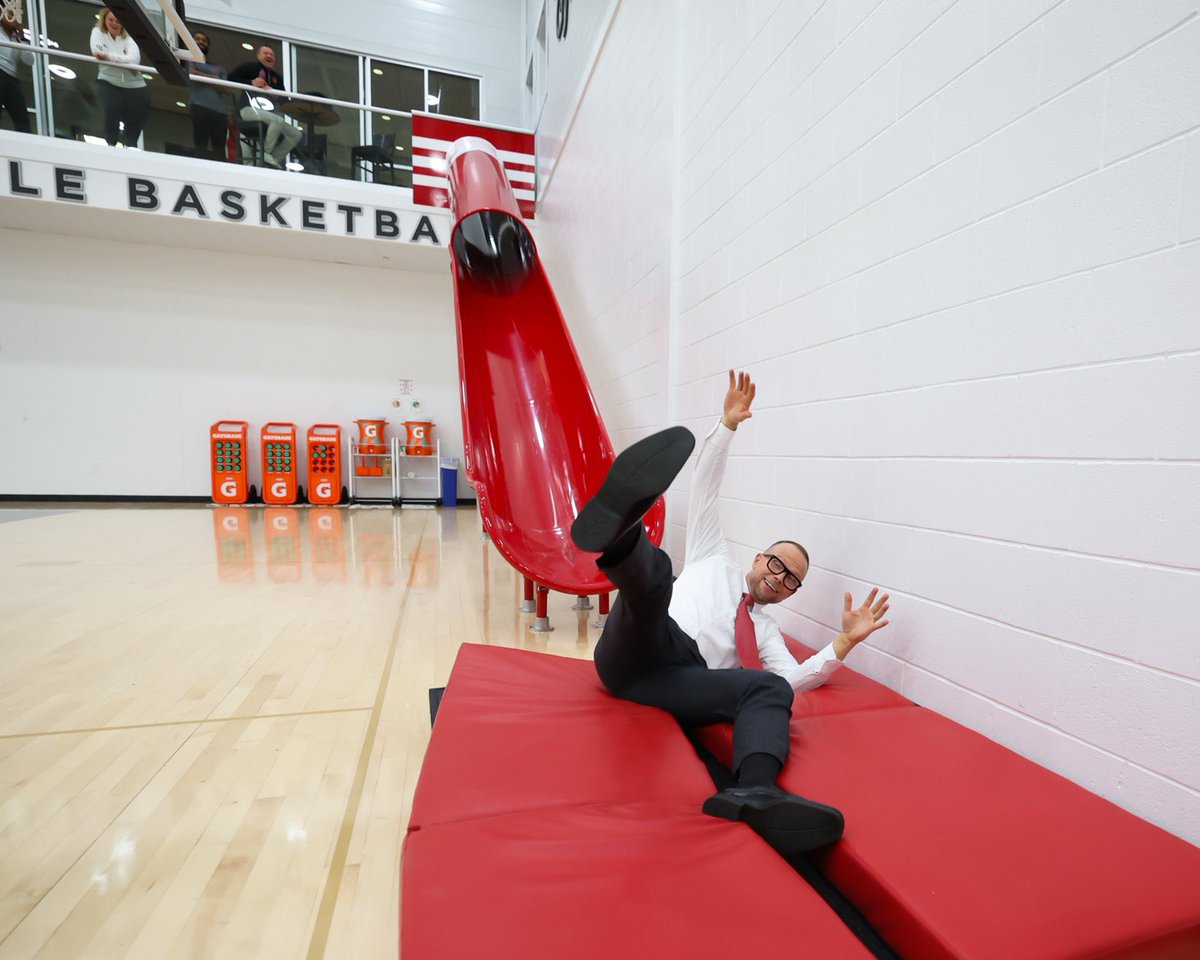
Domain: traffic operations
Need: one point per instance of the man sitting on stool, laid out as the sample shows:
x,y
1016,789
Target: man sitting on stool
x,y
279,137
702,648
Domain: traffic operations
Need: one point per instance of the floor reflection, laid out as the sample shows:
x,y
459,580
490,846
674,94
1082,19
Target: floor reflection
x,y
281,526
234,543
330,544
327,543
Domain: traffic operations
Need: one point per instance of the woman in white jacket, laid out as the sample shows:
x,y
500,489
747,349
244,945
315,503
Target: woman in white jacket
x,y
123,93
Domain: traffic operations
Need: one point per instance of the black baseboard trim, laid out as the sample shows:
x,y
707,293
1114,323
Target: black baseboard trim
x,y
128,498
94,498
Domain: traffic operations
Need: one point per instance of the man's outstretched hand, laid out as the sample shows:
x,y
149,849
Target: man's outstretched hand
x,y
858,623
738,399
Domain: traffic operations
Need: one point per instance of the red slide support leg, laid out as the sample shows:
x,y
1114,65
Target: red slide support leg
x,y
541,620
527,605
602,614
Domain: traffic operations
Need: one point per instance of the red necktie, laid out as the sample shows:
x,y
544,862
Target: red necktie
x,y
743,636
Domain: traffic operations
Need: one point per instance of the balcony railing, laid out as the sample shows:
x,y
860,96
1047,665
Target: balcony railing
x,y
335,138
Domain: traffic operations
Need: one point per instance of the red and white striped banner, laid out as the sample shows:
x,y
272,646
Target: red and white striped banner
x,y
433,136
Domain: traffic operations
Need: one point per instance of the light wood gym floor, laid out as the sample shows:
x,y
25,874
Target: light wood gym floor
x,y
212,720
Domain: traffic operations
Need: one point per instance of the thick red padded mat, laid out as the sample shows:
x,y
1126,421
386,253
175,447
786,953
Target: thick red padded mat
x,y
518,730
845,690
956,847
605,882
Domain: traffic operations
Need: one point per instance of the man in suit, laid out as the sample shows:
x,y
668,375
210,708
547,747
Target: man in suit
x,y
702,647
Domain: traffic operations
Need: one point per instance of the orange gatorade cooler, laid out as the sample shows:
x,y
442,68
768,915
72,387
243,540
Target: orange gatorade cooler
x,y
324,463
418,438
279,463
372,443
230,461
370,436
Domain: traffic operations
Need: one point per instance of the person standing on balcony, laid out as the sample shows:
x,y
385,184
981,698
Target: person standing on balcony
x,y
279,136
123,92
210,121
11,96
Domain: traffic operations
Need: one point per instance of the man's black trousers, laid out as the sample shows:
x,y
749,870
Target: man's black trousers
x,y
645,656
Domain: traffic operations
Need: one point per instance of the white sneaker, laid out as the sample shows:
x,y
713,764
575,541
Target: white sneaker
x,y
272,162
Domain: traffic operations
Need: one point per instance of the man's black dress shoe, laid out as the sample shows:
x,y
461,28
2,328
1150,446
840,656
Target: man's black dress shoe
x,y
635,480
788,822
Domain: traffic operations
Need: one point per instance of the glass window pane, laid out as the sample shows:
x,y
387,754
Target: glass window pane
x,y
399,128
332,131
399,87
230,49
455,96
77,108
77,111
24,75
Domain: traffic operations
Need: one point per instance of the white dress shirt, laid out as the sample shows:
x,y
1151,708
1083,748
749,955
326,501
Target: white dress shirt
x,y
707,592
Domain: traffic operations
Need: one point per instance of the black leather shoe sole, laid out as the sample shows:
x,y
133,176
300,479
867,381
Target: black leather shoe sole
x,y
637,478
789,823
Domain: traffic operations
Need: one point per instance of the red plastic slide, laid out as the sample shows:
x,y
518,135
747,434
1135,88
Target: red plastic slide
x,y
535,445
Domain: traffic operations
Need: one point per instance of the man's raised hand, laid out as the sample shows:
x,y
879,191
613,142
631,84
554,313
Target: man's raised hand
x,y
858,623
738,399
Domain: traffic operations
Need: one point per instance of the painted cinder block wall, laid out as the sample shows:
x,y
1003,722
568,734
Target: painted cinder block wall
x,y
116,359
958,246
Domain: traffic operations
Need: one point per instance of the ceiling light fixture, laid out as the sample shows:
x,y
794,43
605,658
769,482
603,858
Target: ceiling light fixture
x,y
60,71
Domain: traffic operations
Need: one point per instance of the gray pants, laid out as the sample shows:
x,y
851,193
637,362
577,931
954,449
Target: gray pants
x,y
280,137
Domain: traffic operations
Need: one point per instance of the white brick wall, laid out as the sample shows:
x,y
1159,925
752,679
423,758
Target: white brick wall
x,y
957,242
604,224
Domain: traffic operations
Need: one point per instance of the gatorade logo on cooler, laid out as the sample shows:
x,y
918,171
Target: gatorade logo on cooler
x,y
279,489
371,431
229,488
324,490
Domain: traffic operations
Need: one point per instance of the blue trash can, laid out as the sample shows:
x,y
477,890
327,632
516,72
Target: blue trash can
x,y
449,482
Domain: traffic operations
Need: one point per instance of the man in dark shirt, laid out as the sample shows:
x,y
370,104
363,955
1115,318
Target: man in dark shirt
x,y
279,136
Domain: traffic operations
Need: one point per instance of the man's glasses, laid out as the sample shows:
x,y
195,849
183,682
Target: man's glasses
x,y
776,566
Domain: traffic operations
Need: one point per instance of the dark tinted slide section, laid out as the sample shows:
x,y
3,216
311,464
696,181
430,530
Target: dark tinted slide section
x,y
535,445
